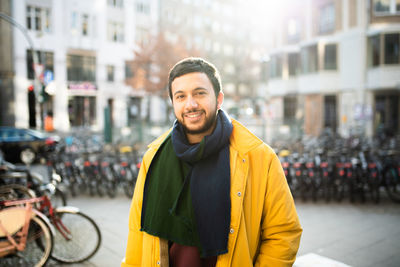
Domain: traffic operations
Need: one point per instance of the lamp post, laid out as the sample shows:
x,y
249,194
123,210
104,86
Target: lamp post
x,y
13,22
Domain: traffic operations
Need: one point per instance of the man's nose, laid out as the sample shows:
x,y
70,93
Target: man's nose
x,y
191,102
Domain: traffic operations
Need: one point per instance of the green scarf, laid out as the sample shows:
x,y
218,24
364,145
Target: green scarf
x,y
167,210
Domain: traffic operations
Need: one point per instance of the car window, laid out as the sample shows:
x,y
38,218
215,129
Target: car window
x,y
26,136
3,135
37,134
16,135
8,136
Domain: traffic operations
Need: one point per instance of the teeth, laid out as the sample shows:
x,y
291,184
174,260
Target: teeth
x,y
193,115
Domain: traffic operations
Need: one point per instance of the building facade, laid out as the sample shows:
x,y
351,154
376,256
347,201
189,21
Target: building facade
x,y
81,59
335,64
6,67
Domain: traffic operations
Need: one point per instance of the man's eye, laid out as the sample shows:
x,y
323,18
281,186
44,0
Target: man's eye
x,y
179,96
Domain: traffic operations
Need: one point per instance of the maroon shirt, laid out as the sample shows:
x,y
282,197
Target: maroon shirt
x,y
187,256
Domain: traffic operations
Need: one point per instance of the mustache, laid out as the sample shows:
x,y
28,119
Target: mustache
x,y
192,111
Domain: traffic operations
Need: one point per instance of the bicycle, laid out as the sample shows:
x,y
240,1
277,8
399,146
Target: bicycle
x,y
76,236
26,236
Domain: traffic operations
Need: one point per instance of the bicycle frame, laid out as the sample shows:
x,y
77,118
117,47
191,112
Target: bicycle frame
x,y
47,208
23,233
14,244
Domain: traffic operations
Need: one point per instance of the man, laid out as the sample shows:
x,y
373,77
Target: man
x,y
209,192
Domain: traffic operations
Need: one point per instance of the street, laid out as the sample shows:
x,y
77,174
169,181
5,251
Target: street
x,y
354,234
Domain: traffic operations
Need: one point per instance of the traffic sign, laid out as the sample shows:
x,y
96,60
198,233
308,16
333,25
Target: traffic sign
x,y
48,77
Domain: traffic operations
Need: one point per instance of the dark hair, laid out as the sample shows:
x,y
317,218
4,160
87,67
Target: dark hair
x,y
193,64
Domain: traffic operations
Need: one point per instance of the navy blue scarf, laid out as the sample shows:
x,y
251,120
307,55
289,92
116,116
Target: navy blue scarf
x,y
209,183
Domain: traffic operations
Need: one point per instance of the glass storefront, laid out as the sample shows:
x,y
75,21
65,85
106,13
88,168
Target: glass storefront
x,y
82,110
386,116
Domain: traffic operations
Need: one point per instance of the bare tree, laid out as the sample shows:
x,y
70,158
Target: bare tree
x,y
152,63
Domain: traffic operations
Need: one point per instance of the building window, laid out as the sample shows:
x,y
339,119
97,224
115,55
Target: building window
x,y
275,70
134,109
330,113
392,53
309,59
327,18
81,68
110,73
330,57
82,24
293,62
85,24
115,31
390,49
74,22
382,6
143,8
293,30
46,60
82,110
374,50
289,109
29,16
38,18
386,114
128,70
116,3
386,7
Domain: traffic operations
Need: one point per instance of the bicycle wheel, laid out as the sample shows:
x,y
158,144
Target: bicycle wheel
x,y
77,237
39,245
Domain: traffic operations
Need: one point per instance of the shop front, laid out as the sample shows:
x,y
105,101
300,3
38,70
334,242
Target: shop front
x,y
82,98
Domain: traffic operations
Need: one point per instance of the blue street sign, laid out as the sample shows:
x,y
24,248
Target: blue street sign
x,y
48,77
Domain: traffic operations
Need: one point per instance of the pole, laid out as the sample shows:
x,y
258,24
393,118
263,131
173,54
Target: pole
x,y
13,22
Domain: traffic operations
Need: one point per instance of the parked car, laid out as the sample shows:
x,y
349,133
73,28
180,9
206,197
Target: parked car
x,y
24,145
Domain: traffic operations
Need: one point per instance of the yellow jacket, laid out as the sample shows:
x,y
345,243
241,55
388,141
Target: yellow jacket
x,y
265,229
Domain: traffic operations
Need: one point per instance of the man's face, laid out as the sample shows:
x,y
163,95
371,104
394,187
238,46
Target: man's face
x,y
195,104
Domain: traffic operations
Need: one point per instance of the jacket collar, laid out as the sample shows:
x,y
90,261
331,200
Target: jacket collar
x,y
241,139
157,143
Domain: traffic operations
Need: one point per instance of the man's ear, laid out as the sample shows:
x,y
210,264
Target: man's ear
x,y
220,100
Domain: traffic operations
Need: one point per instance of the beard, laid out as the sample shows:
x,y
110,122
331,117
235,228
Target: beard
x,y
208,123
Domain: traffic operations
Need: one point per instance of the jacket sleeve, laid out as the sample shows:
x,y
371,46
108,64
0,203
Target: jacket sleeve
x,y
280,226
133,255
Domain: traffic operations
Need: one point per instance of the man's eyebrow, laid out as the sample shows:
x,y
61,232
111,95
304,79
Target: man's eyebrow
x,y
178,92
195,89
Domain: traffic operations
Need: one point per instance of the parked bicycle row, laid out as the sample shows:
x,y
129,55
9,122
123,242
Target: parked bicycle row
x,y
334,168
85,164
35,223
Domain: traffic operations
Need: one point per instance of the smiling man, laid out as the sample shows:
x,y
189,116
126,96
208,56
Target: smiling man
x,y
209,192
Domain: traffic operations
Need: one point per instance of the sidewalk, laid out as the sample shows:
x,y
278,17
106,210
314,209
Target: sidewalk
x,y
355,234
335,234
